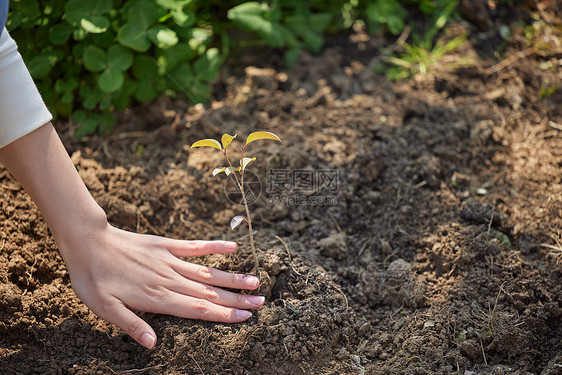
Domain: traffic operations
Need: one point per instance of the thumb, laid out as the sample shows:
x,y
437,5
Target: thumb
x,y
135,327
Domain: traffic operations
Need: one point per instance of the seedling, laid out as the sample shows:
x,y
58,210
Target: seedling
x,y
222,146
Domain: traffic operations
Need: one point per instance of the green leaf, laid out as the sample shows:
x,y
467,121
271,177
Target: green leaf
x,y
111,80
78,116
39,66
207,66
226,139
198,37
249,16
181,78
119,57
143,13
145,90
107,121
319,22
291,56
62,86
163,37
273,35
172,4
123,98
90,98
88,125
14,21
59,33
103,40
95,24
144,67
79,34
198,92
427,7
67,98
29,12
250,7
313,40
207,143
105,102
251,22
289,38
92,11
261,135
95,59
386,12
170,58
134,36
395,24
184,18
63,109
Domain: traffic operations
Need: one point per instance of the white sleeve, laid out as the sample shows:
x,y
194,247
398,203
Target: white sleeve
x,y
22,109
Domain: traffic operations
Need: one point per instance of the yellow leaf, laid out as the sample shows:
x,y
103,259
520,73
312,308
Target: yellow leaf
x,y
226,139
216,171
207,143
261,135
246,161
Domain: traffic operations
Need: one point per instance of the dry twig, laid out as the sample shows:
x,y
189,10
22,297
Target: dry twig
x,y
510,60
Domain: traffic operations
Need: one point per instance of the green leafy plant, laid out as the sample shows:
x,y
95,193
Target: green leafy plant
x,y
92,57
424,53
222,146
386,12
292,25
394,14
416,58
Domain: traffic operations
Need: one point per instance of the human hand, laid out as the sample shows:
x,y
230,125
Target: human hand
x,y
114,272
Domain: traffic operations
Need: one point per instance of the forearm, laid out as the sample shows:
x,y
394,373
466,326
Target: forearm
x,y
42,166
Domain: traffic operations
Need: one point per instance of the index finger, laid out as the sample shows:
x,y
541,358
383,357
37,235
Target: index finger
x,y
182,248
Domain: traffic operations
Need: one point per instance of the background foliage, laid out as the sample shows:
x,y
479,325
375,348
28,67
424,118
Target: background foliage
x,y
92,57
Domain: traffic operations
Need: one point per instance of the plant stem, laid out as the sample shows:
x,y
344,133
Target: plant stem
x,y
248,217
234,174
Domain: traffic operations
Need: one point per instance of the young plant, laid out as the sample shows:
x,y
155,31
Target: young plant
x,y
222,146
424,53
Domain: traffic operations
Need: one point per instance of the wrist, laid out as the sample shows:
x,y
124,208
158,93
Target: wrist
x,y
71,231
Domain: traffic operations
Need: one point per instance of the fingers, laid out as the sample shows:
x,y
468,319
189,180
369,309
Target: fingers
x,y
135,327
194,308
181,248
212,276
219,296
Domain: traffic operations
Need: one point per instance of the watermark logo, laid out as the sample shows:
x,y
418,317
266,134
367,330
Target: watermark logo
x,y
288,187
252,188
300,187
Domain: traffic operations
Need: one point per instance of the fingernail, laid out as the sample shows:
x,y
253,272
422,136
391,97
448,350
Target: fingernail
x,y
147,340
256,300
253,281
243,314
230,245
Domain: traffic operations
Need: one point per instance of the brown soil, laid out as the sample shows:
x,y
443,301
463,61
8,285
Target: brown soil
x,y
405,274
